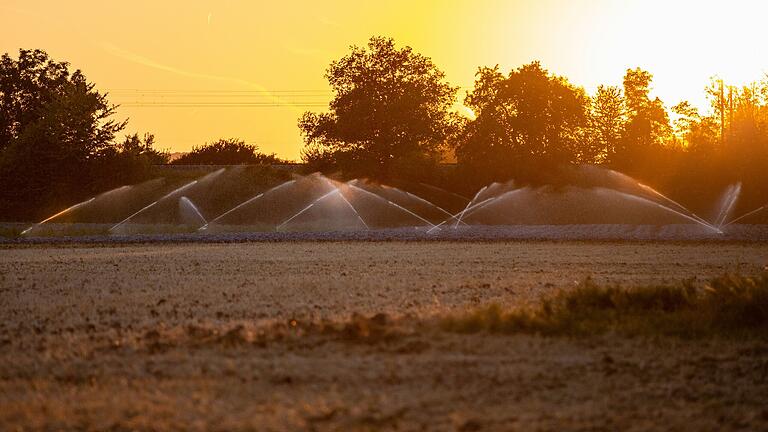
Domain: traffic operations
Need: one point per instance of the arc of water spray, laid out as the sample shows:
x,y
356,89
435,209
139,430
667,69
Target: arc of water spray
x,y
673,202
418,198
744,216
478,206
669,209
392,204
74,207
169,194
443,190
721,214
245,203
733,196
66,210
469,204
147,207
414,196
341,194
188,202
488,201
305,209
680,208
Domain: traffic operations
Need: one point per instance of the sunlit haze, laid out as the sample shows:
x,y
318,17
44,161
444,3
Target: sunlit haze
x,y
195,71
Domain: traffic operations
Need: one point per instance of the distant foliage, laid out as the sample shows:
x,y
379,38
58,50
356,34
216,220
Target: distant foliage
x,y
57,137
525,121
646,126
130,160
394,118
230,151
143,149
705,152
607,118
391,110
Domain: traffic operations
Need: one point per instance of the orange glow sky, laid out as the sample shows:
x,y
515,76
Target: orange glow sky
x,y
248,54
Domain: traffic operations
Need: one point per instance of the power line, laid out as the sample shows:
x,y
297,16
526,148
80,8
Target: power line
x,y
219,105
136,90
217,98
224,95
266,91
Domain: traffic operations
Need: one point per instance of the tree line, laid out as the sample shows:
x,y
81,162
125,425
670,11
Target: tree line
x,y
393,118
59,142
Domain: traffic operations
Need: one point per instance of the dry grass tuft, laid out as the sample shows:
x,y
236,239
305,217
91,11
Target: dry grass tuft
x,y
358,329
731,304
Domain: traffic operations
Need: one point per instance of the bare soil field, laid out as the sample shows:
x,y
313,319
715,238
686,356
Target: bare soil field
x,y
330,336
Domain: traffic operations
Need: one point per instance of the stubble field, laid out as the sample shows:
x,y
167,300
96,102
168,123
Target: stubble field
x,y
331,336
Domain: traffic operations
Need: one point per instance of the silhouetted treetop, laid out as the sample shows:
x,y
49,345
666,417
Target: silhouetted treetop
x,y
40,97
526,116
607,121
390,104
230,151
391,118
648,122
137,148
57,138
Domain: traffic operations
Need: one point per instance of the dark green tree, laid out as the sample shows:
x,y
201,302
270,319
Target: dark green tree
x,y
392,108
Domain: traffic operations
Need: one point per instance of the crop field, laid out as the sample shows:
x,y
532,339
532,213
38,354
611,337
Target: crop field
x,y
349,335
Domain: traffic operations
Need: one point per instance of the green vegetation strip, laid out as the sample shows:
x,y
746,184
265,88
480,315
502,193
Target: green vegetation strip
x,y
730,305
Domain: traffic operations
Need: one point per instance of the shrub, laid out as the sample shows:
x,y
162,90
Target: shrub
x,y
227,152
729,304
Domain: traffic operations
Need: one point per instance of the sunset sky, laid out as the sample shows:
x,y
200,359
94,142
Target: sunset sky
x,y
193,71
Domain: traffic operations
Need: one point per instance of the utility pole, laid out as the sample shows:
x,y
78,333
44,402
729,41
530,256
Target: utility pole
x,y
730,108
722,114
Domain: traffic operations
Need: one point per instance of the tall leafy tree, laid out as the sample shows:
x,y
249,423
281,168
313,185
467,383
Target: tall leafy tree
x,y
57,138
137,148
525,121
608,120
647,120
391,106
696,132
40,99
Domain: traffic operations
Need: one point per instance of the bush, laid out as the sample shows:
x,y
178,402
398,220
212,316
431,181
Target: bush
x,y
230,151
729,304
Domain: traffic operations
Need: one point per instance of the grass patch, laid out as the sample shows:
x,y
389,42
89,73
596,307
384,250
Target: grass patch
x,y
11,229
730,305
